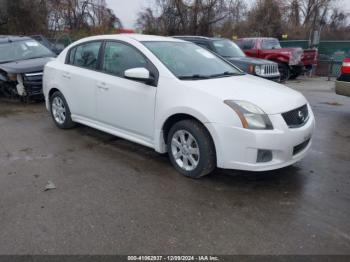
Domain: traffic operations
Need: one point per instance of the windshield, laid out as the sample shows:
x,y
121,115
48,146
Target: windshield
x,y
189,61
227,48
22,50
271,44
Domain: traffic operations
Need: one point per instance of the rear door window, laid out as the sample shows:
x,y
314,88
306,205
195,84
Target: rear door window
x,y
85,55
246,44
270,44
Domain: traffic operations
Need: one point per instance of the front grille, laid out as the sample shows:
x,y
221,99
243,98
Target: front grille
x,y
297,149
33,77
297,117
270,70
33,82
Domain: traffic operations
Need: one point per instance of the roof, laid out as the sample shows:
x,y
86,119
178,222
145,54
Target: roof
x,y
254,38
137,37
197,37
12,38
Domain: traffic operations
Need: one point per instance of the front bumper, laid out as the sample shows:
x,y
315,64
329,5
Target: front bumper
x,y
33,83
276,78
237,148
342,88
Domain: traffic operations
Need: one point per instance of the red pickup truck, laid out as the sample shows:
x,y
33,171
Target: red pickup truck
x,y
291,61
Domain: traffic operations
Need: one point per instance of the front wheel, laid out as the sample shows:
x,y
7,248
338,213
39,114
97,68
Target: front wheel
x,y
296,71
191,149
60,111
284,71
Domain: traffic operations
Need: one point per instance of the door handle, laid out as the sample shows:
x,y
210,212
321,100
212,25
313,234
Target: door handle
x,y
102,85
66,75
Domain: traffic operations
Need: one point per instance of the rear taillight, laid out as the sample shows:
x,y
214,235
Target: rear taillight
x,y
345,69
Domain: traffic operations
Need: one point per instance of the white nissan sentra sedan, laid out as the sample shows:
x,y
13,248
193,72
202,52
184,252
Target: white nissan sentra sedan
x,y
180,99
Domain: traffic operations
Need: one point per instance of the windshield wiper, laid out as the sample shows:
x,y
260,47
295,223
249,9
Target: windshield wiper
x,y
199,77
194,77
225,74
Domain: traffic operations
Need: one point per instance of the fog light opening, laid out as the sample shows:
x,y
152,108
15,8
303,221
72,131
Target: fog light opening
x,y
264,156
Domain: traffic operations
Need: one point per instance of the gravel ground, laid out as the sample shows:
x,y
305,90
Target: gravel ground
x,y
113,196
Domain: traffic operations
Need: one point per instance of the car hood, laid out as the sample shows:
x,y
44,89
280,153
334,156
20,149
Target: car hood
x,y
271,97
26,66
286,50
249,60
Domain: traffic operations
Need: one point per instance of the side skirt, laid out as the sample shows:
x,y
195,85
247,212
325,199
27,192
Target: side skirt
x,y
114,131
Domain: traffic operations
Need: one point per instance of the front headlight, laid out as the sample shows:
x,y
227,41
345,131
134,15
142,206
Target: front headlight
x,y
258,70
251,116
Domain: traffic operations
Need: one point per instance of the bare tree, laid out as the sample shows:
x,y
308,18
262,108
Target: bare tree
x,y
305,17
184,17
51,17
265,19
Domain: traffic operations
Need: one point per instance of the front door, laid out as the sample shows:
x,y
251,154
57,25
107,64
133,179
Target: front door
x,y
125,104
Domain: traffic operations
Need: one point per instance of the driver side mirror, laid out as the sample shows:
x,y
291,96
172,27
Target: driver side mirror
x,y
139,74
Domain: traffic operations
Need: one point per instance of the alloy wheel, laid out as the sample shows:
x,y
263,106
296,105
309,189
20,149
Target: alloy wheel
x,y
58,110
185,150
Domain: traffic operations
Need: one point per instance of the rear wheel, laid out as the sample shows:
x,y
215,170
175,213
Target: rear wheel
x,y
191,149
60,111
284,71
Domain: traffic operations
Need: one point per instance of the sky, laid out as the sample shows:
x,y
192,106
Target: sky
x,y
127,10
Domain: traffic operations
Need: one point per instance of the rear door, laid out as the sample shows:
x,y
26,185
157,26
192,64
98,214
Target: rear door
x,y
79,76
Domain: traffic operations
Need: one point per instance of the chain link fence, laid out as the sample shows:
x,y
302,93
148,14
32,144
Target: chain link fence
x,y
329,68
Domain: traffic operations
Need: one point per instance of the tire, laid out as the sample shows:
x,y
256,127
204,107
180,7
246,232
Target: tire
x,y
297,71
284,71
60,111
293,77
182,149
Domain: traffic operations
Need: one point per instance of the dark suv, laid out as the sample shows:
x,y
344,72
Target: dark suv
x,y
231,52
22,61
57,48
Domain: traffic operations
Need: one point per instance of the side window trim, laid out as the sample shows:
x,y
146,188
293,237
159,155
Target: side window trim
x,y
71,62
101,56
150,66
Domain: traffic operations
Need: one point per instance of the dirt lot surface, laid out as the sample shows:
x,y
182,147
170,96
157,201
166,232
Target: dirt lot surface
x,y
114,196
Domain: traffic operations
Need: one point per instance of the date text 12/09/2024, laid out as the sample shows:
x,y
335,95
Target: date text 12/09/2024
x,y
173,258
